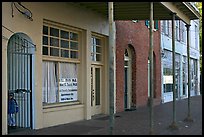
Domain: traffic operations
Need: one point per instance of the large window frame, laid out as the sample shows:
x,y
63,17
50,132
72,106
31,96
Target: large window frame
x,y
64,44
67,59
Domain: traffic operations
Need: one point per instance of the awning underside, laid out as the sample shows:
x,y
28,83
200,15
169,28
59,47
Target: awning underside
x,y
137,10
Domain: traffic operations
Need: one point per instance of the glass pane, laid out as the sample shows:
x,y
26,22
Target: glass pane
x,y
54,52
97,78
126,63
98,49
98,41
54,42
45,30
45,50
73,36
93,56
93,49
64,44
64,34
93,41
74,45
65,53
54,32
45,40
74,54
98,57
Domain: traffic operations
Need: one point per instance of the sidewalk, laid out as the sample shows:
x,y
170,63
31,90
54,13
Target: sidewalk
x,y
134,122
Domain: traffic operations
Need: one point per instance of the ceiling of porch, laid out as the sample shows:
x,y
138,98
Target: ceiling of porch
x,y
138,10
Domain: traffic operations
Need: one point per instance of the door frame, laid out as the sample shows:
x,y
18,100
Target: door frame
x,y
95,109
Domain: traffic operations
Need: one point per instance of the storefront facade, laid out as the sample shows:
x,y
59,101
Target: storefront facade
x,y
181,60
42,41
58,61
132,64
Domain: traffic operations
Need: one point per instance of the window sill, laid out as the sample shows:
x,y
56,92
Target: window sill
x,y
47,106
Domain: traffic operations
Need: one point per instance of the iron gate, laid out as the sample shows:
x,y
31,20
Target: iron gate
x,y
20,78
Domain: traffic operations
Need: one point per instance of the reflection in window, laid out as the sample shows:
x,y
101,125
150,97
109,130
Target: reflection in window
x,y
167,72
96,49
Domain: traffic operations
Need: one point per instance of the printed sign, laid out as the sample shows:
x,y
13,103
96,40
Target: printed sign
x,y
68,89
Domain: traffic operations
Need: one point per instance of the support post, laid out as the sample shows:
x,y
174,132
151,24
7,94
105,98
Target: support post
x,y
173,125
151,69
111,48
189,118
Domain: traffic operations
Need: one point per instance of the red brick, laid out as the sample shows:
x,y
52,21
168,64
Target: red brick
x,y
136,34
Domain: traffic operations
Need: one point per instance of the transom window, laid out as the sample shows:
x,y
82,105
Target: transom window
x,y
96,49
61,43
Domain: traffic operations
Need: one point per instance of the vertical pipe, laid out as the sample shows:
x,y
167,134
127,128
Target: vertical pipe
x,y
189,118
19,85
27,91
24,83
111,67
17,79
20,93
31,103
151,68
173,125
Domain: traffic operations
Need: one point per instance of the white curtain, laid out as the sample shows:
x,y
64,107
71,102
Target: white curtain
x,y
68,70
50,84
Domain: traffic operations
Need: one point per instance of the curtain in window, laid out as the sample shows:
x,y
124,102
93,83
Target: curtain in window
x,y
50,85
68,70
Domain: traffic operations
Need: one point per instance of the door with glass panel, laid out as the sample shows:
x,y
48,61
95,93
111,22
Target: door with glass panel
x,y
96,90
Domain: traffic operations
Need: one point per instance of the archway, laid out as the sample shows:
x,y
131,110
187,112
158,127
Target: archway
x,y
20,64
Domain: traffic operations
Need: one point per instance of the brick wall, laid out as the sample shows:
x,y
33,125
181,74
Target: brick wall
x,y
136,36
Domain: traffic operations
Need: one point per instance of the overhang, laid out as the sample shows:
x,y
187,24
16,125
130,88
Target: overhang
x,y
141,10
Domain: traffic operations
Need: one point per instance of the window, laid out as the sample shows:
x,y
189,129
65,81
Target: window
x,y
166,29
96,49
177,31
177,74
60,43
167,72
196,37
182,31
60,50
59,82
156,24
185,75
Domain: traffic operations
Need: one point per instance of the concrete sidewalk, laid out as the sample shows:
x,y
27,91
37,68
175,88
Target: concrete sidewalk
x,y
134,122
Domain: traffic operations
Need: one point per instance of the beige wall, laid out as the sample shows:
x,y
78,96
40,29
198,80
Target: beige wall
x,y
67,14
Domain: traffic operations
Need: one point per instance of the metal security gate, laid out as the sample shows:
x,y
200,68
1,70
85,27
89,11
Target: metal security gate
x,y
19,55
